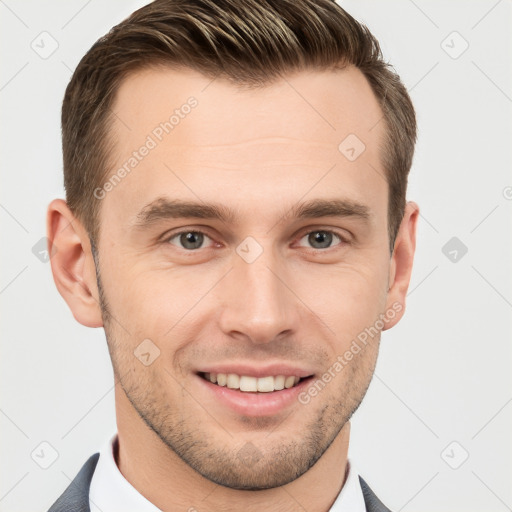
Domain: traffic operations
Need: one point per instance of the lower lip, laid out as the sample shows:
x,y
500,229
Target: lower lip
x,y
255,404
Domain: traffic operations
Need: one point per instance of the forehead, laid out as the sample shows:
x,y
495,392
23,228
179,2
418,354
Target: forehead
x,y
323,104
209,138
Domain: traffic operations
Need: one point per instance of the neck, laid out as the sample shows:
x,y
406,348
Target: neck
x,y
170,484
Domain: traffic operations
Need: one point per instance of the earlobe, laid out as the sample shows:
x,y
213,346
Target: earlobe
x,y
72,264
401,263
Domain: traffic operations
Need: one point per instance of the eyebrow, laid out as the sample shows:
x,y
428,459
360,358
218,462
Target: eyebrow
x,y
164,208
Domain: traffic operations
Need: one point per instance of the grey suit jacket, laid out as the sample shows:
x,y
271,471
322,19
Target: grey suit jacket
x,y
76,497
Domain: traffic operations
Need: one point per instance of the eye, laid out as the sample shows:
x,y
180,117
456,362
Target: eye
x,y
322,239
189,240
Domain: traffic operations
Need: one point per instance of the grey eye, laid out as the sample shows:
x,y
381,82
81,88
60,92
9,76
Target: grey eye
x,y
189,240
320,239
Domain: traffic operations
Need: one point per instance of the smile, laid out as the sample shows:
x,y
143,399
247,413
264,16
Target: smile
x,y
250,384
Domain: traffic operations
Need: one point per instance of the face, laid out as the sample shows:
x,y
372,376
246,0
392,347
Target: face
x,y
244,249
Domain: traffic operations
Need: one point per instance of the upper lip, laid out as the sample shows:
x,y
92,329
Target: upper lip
x,y
254,371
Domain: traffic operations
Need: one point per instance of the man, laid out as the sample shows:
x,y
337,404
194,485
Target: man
x,y
235,219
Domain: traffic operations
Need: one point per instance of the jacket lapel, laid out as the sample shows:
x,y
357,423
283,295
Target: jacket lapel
x,y
76,497
373,504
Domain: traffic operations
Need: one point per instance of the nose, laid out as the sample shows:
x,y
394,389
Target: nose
x,y
258,303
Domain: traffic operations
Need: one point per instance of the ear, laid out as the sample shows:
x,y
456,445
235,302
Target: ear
x,y
401,263
72,263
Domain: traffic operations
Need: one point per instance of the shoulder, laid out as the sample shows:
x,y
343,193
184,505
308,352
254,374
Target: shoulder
x,y
76,496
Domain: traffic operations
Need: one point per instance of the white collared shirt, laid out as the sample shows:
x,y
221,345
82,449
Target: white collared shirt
x,y
111,492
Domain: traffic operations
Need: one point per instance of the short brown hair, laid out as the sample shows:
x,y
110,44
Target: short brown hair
x,y
249,42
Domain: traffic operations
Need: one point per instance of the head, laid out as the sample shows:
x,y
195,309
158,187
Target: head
x,y
236,174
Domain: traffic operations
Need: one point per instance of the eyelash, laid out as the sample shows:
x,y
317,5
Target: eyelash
x,y
343,239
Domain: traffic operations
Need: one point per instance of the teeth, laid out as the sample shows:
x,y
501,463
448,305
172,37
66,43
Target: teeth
x,y
252,384
289,382
248,383
265,384
279,382
233,381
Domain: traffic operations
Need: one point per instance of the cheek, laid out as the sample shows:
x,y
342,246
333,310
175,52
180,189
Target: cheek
x,y
157,303
347,298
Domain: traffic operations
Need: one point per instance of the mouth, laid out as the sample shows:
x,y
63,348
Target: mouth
x,y
254,392
250,384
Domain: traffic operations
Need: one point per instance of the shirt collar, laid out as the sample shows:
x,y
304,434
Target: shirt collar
x,y
110,491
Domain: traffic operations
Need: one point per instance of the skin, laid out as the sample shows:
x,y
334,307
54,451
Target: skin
x,y
259,152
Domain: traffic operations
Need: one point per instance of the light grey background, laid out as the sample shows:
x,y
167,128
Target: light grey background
x,y
442,388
